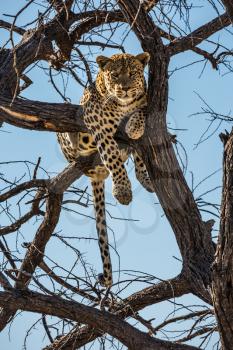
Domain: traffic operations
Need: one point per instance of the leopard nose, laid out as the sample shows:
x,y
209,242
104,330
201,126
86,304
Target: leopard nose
x,y
125,89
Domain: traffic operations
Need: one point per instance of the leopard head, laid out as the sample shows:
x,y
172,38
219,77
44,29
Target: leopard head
x,y
122,76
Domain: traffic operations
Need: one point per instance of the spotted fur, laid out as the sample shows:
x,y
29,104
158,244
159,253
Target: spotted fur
x,y
148,4
119,90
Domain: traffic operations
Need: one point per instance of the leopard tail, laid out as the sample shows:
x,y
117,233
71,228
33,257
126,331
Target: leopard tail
x,y
100,215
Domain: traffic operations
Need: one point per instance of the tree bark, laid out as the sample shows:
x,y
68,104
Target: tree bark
x,y
222,285
229,7
56,306
42,116
129,306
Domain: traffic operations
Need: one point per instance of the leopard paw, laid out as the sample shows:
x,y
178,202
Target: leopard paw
x,y
146,183
122,193
144,180
134,129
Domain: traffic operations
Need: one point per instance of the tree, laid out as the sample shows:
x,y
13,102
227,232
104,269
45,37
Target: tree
x,y
58,36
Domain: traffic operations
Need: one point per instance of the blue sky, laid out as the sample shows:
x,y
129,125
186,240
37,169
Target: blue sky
x,y
148,244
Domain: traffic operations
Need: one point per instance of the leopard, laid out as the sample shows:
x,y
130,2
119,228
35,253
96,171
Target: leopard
x,y
119,90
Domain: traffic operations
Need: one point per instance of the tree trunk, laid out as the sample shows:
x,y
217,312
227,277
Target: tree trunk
x,y
222,286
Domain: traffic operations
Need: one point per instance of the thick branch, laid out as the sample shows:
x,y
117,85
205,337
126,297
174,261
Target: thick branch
x,y
37,44
229,7
165,290
157,293
141,22
222,286
56,306
43,116
8,26
180,208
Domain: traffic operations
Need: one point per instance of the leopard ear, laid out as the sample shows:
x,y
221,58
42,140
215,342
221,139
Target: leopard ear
x,y
144,58
102,61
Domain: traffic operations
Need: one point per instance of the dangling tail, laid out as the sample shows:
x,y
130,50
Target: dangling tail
x,y
100,215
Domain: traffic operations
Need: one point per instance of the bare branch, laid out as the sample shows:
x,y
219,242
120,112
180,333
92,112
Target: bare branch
x,y
36,115
65,284
8,26
56,306
164,290
34,255
22,187
199,35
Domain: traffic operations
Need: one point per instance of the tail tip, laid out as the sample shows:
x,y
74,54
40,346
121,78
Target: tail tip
x,y
105,282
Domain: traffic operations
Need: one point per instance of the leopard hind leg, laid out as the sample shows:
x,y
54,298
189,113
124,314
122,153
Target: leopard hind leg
x,y
141,172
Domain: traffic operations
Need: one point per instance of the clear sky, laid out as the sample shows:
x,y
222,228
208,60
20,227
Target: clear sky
x,y
147,244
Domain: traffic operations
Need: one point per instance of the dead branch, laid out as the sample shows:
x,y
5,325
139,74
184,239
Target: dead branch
x,y
165,290
56,306
199,35
8,26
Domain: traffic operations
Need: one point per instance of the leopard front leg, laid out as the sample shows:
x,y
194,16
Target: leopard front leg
x,y
111,157
135,126
97,119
